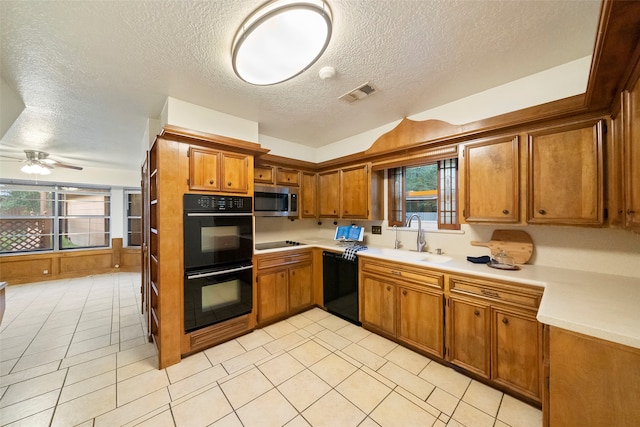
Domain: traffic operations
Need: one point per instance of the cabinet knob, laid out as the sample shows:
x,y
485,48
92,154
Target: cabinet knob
x,y
210,181
260,176
229,184
404,293
542,212
346,211
505,320
505,211
388,288
476,313
630,212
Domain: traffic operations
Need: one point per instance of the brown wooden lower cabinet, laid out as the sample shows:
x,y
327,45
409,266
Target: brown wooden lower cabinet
x,y
592,382
469,325
284,283
492,332
404,303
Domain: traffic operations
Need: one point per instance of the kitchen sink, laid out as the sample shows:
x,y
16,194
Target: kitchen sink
x,y
411,255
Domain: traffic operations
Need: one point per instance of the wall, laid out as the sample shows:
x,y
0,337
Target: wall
x,y
190,116
605,250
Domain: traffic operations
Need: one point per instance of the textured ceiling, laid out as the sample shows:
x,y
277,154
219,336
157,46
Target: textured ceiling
x,y
91,72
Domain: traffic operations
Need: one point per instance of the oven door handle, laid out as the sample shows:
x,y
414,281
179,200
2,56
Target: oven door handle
x,y
207,214
218,273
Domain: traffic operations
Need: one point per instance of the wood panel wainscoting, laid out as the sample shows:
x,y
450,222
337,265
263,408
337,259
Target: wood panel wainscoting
x,y
38,267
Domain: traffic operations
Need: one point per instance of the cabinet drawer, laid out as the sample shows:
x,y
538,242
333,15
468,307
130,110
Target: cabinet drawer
x,y
263,174
287,177
509,293
417,275
280,259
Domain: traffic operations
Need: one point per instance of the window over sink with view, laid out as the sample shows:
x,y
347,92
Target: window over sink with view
x,y
429,190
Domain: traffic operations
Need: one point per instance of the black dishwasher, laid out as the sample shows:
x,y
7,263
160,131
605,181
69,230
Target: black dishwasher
x,y
340,284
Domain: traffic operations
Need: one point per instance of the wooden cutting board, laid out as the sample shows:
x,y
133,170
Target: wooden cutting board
x,y
516,243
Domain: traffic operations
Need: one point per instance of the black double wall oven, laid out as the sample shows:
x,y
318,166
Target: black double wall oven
x,y
218,245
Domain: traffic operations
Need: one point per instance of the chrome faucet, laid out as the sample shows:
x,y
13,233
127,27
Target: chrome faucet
x,y
397,243
420,242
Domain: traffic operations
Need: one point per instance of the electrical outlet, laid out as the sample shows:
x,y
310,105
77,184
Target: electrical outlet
x,y
376,229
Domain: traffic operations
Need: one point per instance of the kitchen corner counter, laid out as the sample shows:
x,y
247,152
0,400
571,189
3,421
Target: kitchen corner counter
x,y
600,305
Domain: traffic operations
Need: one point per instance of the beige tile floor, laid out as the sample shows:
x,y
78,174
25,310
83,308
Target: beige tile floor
x,y
73,352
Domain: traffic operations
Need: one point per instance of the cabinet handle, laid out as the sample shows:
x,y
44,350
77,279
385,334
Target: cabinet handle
x,y
630,212
542,212
404,293
505,211
477,313
490,294
505,320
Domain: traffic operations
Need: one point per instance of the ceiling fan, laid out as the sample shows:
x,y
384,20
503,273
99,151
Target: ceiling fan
x,y
38,162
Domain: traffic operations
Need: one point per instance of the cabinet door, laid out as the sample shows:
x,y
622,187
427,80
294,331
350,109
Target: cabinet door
x,y
492,181
287,177
632,156
329,194
272,295
470,335
203,169
235,173
309,199
354,196
263,174
565,176
378,307
420,319
300,287
615,168
517,351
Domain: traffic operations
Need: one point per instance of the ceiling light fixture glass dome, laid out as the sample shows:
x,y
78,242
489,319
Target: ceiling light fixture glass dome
x,y
281,40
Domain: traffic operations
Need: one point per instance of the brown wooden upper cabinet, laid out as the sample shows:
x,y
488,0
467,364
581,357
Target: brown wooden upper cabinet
x,y
263,174
492,180
354,195
214,170
565,174
308,195
276,175
354,192
288,177
329,194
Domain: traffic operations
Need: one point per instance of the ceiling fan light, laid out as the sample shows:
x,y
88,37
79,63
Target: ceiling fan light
x,y
32,167
281,40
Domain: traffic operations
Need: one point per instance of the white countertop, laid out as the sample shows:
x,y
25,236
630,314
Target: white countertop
x,y
604,306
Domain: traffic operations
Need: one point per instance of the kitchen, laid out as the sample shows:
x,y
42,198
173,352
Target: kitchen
x,y
592,250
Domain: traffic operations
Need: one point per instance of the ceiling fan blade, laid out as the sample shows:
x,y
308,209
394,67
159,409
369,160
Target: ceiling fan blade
x,y
64,165
12,158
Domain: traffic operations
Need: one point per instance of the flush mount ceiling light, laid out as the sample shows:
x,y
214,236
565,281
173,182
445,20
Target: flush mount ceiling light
x,y
281,40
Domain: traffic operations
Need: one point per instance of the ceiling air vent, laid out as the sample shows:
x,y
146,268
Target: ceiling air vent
x,y
358,93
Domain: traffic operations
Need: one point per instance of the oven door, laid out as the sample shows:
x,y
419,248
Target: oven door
x,y
216,239
213,296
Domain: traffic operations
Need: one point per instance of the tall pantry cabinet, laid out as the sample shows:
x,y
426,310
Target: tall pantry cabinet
x,y
183,161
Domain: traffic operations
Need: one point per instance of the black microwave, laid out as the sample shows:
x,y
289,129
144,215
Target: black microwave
x,y
274,200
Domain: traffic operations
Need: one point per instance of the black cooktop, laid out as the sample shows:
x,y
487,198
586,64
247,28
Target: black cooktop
x,y
275,245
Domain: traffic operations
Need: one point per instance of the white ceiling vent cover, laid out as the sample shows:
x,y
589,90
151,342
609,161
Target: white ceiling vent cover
x,y
358,93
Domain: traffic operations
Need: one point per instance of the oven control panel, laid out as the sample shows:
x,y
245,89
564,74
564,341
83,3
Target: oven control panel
x,y
216,203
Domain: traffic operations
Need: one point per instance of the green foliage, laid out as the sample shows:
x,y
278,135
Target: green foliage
x,y
421,178
23,203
